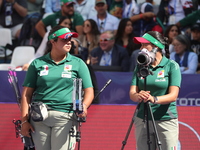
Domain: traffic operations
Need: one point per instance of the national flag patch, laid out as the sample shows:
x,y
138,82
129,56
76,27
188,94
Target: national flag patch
x,y
46,67
45,70
54,35
173,148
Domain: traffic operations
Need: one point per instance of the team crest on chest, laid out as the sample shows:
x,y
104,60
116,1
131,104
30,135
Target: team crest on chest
x,y
67,73
160,76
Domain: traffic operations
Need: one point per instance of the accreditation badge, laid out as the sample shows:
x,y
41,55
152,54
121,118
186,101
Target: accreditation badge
x,y
172,19
66,74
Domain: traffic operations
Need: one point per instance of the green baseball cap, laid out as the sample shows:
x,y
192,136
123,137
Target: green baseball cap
x,y
100,1
63,33
66,2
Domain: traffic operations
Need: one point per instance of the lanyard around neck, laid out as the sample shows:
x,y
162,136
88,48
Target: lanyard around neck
x,y
102,27
129,9
107,61
170,11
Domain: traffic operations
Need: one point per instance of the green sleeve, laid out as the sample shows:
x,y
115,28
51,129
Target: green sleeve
x,y
190,19
175,74
31,77
135,77
51,20
84,74
77,20
48,20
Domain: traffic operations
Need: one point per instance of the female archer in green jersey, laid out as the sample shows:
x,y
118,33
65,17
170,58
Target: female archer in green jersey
x,y
161,90
49,79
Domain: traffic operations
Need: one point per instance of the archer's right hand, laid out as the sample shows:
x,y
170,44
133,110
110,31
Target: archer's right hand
x,y
93,60
26,128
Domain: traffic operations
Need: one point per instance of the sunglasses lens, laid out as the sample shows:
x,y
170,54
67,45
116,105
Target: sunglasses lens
x,y
104,40
67,36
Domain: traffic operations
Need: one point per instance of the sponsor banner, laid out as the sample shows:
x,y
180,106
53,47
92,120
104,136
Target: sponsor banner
x,y
117,92
188,101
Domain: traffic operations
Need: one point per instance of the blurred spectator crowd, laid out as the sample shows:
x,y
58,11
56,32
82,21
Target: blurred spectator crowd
x,y
106,29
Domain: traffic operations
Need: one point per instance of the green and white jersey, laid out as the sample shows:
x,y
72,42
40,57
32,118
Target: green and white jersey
x,y
53,20
53,83
166,74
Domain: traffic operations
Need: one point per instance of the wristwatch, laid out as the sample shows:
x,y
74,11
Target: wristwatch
x,y
155,99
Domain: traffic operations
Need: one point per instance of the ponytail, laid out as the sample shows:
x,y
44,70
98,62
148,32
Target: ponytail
x,y
167,54
163,40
